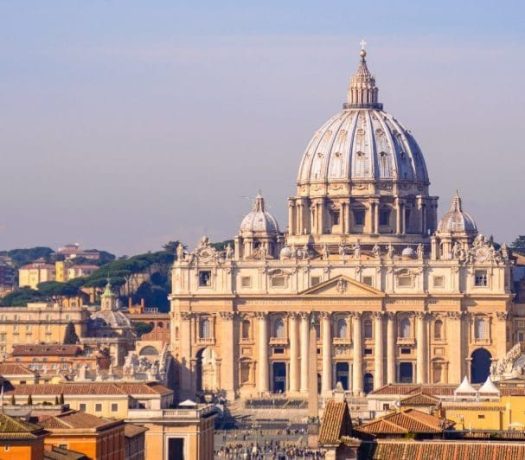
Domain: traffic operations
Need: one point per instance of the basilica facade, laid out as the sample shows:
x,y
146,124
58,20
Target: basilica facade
x,y
394,293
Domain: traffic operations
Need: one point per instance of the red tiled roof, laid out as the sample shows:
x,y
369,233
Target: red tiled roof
x,y
91,388
409,389
46,350
7,369
437,450
336,423
131,430
420,399
14,428
73,420
405,421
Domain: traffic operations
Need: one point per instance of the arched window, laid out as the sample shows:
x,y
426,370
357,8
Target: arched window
x,y
245,372
177,332
404,327
481,331
317,330
204,328
246,329
341,329
367,328
278,328
160,324
438,329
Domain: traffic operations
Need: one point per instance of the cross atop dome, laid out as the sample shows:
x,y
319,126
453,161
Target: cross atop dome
x,y
362,92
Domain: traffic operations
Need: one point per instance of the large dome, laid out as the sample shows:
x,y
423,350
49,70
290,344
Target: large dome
x,y
363,143
259,221
456,220
362,176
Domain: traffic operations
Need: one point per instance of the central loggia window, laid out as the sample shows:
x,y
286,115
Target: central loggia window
x,y
205,278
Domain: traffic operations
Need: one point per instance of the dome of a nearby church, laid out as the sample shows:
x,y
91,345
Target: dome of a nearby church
x,y
456,220
259,221
408,252
362,143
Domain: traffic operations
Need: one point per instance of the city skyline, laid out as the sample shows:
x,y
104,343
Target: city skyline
x,y
104,125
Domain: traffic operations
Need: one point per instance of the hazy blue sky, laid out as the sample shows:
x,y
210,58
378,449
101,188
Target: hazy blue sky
x,y
124,124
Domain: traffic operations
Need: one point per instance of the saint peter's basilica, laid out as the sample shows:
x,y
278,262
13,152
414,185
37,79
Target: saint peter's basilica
x,y
395,294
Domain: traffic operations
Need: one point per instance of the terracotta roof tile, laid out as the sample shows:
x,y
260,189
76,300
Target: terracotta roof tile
x,y
45,350
7,369
336,423
422,450
405,421
131,430
91,388
75,420
409,389
419,399
14,428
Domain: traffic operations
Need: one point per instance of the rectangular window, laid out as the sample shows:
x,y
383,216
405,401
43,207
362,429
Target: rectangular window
x,y
386,406
367,280
246,281
278,281
480,278
359,216
384,217
404,281
278,351
368,351
481,416
114,407
315,280
98,407
82,407
335,217
438,281
406,351
204,278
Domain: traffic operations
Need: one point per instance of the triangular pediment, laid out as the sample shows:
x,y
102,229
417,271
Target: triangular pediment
x,y
342,286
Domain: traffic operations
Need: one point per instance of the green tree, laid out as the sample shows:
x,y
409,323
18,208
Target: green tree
x,y
221,245
30,400
142,328
56,289
518,245
24,256
70,335
56,401
21,297
61,401
13,400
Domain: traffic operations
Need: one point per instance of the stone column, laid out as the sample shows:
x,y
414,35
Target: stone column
x,y
262,360
305,318
398,216
228,354
357,366
300,217
391,348
326,381
294,353
376,217
291,217
454,330
187,371
421,347
378,350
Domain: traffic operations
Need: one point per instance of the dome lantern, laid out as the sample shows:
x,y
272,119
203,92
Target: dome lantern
x,y
362,91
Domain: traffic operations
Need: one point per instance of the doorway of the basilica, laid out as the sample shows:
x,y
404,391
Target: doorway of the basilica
x,y
342,375
368,383
205,370
480,365
279,377
406,373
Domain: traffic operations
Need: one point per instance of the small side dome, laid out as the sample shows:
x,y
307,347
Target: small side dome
x,y
259,222
408,253
456,220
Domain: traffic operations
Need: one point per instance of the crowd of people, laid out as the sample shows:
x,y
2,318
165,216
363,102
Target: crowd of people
x,y
273,451
260,444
